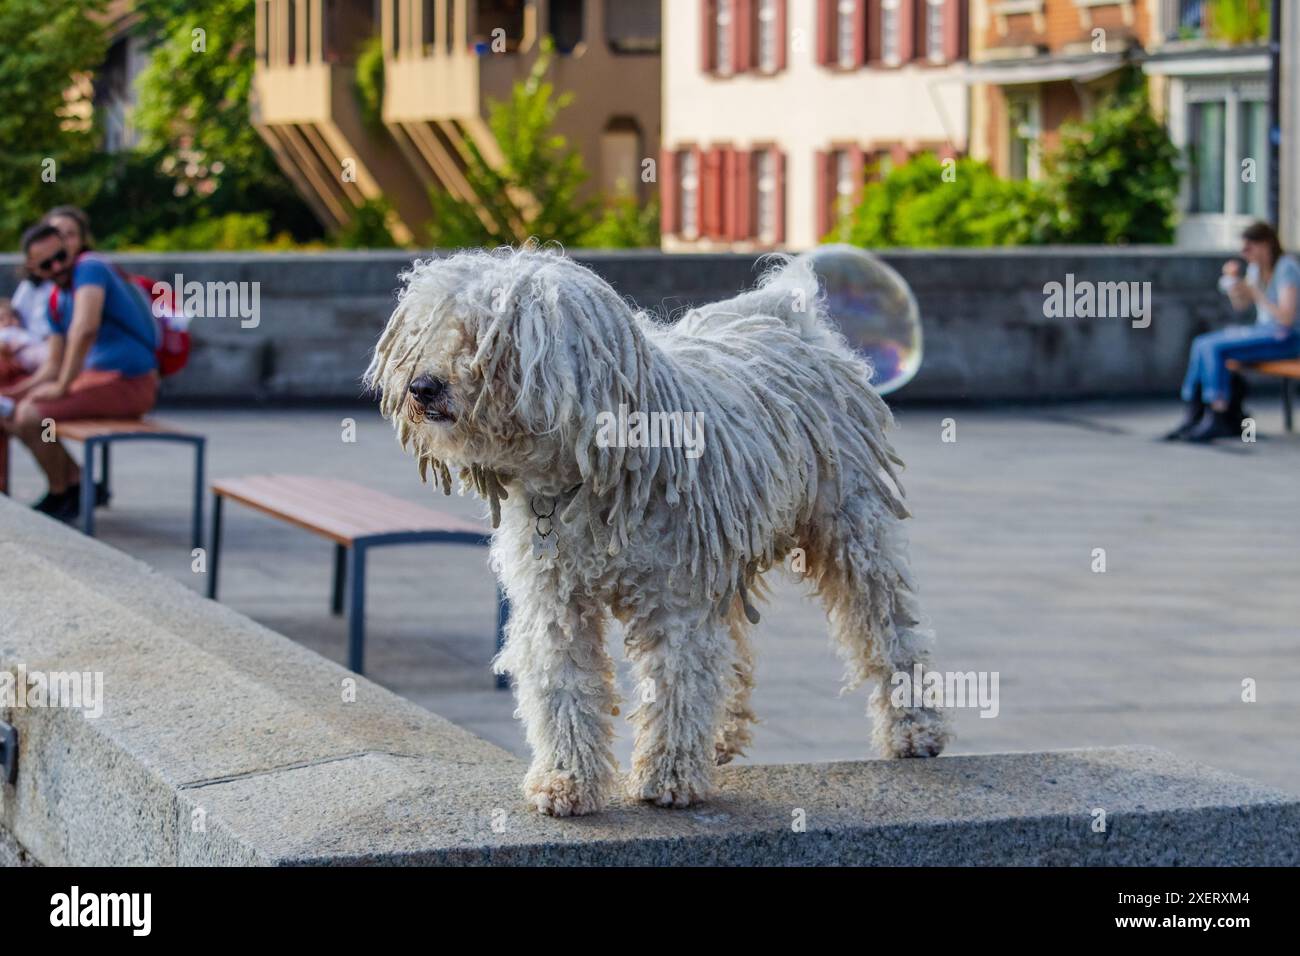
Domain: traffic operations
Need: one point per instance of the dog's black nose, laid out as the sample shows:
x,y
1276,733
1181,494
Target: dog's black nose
x,y
426,389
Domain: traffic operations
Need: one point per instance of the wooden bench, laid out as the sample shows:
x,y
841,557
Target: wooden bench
x,y
356,519
103,433
1288,370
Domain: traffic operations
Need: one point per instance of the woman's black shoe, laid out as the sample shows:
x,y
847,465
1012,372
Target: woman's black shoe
x,y
69,507
1195,412
49,504
1214,425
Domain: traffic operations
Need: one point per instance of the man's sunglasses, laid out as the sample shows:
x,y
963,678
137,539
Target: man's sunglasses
x,y
60,256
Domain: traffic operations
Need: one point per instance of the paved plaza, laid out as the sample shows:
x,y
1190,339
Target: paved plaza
x,y
1201,547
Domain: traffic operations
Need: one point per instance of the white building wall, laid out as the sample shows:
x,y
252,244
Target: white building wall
x,y
802,109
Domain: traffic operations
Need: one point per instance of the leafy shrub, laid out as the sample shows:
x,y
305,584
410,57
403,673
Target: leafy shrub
x,y
1114,178
625,225
913,205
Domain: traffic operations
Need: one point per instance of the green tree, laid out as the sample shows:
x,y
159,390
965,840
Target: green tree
x,y
45,126
1114,177
534,192
194,121
625,224
927,203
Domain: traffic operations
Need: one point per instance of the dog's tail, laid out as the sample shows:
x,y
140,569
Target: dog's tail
x,y
788,291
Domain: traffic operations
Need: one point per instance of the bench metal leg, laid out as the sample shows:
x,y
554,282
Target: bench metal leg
x,y
214,547
196,526
503,615
104,470
340,574
88,488
357,610
1286,403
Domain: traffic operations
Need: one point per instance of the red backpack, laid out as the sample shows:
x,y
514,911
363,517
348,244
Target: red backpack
x,y
173,335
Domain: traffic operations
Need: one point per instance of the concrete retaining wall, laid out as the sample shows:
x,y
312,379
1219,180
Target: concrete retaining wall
x,y
221,742
986,336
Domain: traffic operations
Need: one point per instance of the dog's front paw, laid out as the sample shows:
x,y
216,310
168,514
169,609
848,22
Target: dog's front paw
x,y
668,785
908,731
562,793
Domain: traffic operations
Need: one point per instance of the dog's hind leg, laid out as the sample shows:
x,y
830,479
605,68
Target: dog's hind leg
x,y
683,664
734,736
859,556
565,689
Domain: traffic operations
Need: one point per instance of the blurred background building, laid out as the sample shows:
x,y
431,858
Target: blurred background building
x,y
443,60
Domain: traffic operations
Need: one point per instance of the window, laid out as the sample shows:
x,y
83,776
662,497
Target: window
x,y
890,31
1022,135
722,36
564,24
1205,153
689,164
293,32
632,27
845,33
934,27
620,157
505,15
846,184
765,195
768,50
428,16
1252,197
396,7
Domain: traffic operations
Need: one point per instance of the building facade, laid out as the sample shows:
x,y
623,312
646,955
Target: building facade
x,y
444,61
1039,63
776,111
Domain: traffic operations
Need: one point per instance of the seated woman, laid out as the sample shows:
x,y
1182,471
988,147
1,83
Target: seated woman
x,y
1272,285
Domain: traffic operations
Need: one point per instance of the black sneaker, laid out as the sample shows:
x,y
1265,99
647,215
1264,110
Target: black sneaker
x,y
102,496
49,504
1214,425
69,507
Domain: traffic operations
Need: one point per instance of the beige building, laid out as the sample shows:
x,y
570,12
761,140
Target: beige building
x,y
775,111
444,60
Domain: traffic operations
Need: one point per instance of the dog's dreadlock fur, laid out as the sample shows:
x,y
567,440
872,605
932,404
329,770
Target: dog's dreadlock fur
x,y
532,348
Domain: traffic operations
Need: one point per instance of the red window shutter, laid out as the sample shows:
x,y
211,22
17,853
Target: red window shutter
x,y
742,33
953,11
729,197
825,9
711,195
782,31
906,30
669,205
859,32
898,154
822,161
778,162
708,36
742,221
873,31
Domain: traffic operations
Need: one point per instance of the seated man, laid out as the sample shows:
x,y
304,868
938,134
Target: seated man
x,y
101,361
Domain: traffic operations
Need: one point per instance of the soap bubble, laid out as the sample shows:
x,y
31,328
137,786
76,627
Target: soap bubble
x,y
874,308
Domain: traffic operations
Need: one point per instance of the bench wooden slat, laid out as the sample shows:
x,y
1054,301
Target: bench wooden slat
x,y
1283,368
340,510
82,428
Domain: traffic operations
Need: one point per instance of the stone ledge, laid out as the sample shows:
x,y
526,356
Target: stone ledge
x,y
209,717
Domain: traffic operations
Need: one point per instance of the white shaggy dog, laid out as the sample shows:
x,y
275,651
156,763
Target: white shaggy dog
x,y
507,368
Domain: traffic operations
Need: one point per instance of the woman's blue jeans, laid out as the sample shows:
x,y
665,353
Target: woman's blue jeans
x,y
1207,362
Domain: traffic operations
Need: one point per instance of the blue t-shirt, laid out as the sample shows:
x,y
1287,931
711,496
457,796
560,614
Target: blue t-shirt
x,y
127,339
1286,272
